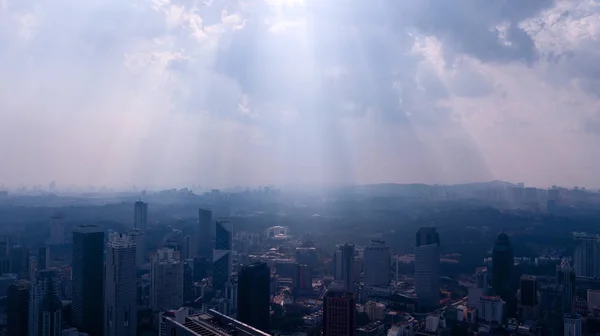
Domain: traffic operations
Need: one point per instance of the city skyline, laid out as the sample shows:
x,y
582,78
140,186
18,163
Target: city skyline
x,y
281,92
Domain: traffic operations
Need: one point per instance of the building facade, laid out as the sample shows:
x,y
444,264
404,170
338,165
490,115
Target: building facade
x,y
339,313
45,307
166,280
140,215
222,262
253,298
376,266
120,300
205,236
88,278
427,268
17,308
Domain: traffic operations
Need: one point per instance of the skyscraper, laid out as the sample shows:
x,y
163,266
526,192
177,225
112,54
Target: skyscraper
x,y
586,258
166,280
88,278
140,216
339,314
565,276
528,297
254,295
302,280
377,264
45,307
4,254
344,265
205,239
120,300
17,308
222,266
43,258
427,268
139,238
57,230
503,263
19,261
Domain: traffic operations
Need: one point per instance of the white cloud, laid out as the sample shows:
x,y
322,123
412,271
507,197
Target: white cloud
x,y
231,92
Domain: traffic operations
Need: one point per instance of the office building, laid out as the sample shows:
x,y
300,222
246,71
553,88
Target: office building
x,y
88,279
17,308
593,299
254,299
210,323
205,240
57,230
140,215
139,238
586,257
222,263
45,307
339,313
503,262
573,325
120,299
19,261
376,265
43,258
231,295
427,268
306,256
302,280
4,254
166,288
491,309
188,282
481,279
565,275
344,266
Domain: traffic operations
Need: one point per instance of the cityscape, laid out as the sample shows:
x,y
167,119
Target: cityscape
x,y
399,260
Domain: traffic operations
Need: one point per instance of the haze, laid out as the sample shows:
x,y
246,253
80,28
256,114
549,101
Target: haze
x,y
175,92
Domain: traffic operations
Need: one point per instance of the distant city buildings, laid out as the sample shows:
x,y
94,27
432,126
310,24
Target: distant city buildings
x,y
120,300
565,275
427,268
166,289
344,265
57,230
45,306
88,278
339,317
253,297
140,216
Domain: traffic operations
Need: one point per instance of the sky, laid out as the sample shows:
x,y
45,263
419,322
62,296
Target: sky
x,y
299,92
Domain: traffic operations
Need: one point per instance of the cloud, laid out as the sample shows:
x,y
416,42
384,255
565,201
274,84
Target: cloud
x,y
179,92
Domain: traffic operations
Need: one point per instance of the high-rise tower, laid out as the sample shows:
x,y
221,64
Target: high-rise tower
x,y
17,308
344,265
45,307
586,258
427,268
253,297
166,275
377,264
503,262
120,299
565,276
140,216
205,237
222,266
88,278
339,313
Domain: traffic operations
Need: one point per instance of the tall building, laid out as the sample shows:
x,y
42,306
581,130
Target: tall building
x,y
376,265
491,309
528,297
57,230
43,258
254,299
17,308
19,261
4,254
573,325
586,258
205,240
481,277
222,263
88,278
188,282
166,280
120,299
45,307
139,239
344,265
565,275
427,268
140,215
503,262
339,313
302,280
231,294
